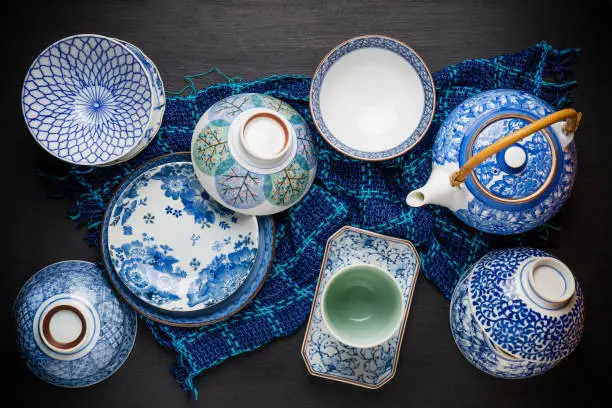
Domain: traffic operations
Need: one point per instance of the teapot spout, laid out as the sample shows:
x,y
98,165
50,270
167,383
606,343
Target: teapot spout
x,y
438,190
428,194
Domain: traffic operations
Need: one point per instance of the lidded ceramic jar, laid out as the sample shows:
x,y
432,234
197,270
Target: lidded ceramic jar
x,y
503,161
517,313
254,154
72,329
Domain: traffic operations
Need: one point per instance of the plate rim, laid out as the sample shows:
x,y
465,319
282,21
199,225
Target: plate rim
x,y
372,159
142,309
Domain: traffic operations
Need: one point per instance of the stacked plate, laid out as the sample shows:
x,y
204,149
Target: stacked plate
x,y
93,100
174,254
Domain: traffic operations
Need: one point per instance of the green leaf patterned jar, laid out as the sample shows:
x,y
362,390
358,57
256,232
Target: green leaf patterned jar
x,y
254,154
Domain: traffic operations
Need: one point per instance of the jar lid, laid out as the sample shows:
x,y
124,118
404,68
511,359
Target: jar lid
x,y
521,174
528,303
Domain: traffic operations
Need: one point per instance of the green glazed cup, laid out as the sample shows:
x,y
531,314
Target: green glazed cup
x,y
362,306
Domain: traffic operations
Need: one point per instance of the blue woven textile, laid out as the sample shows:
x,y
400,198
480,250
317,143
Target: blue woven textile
x,y
345,192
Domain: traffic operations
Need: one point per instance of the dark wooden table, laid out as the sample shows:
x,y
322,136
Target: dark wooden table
x,y
259,38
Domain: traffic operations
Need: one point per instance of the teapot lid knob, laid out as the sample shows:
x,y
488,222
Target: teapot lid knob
x,y
513,159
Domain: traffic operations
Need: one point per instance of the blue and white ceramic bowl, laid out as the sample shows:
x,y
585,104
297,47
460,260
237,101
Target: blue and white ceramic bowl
x,y
372,98
72,329
254,154
91,100
517,313
159,101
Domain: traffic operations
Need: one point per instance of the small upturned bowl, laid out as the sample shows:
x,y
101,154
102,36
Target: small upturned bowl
x,y
254,154
92,100
72,328
517,313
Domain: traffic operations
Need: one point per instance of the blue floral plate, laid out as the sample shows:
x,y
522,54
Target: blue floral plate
x,y
223,282
173,246
324,355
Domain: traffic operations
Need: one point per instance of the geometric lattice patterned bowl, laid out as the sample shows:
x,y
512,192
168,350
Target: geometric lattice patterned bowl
x,y
88,99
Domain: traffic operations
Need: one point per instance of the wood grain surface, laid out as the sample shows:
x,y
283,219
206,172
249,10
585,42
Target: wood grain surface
x,y
258,38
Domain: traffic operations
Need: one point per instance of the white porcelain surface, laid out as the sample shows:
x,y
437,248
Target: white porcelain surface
x,y
372,98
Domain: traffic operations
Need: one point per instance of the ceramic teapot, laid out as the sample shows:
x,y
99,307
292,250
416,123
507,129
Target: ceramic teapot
x,y
503,161
517,313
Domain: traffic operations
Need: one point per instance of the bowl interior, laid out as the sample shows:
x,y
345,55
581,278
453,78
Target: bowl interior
x,y
87,99
372,98
362,306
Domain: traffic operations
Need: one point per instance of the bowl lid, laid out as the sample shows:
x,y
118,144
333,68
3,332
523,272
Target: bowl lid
x,y
87,99
254,154
528,303
372,98
72,329
521,175
173,246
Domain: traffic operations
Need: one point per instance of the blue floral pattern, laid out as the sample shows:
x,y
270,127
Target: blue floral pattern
x,y
511,320
324,355
244,188
478,349
230,306
487,213
397,48
87,100
491,173
117,324
173,225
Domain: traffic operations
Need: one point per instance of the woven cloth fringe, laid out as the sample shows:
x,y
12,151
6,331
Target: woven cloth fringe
x,y
345,192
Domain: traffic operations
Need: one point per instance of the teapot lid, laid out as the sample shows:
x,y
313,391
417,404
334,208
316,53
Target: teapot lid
x,y
528,303
520,174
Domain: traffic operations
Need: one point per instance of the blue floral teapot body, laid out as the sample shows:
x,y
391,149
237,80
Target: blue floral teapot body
x,y
504,162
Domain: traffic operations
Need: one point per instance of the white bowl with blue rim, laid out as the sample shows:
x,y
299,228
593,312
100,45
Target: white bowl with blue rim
x,y
72,329
176,255
92,100
372,98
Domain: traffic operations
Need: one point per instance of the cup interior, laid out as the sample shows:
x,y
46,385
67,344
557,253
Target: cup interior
x,y
362,306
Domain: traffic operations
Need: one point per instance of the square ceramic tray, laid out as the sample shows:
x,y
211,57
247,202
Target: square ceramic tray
x,y
323,354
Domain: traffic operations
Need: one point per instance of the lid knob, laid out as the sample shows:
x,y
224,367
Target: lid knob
x,y
63,327
550,283
67,327
513,159
265,136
